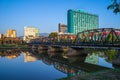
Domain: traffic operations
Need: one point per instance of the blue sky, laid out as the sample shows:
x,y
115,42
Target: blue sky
x,y
46,14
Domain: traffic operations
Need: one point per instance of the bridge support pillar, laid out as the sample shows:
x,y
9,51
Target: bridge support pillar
x,y
55,49
42,47
34,47
116,61
65,49
76,52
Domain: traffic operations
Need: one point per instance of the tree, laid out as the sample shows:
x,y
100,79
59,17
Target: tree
x,y
53,34
115,6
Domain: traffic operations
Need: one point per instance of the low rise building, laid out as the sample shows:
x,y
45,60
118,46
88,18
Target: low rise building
x,y
10,40
62,28
1,36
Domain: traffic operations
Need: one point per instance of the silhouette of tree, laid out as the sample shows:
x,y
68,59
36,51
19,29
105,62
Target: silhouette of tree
x,y
115,6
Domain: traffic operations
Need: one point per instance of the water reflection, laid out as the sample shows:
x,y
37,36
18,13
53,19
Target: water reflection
x,y
116,60
10,54
28,57
92,58
80,65
77,65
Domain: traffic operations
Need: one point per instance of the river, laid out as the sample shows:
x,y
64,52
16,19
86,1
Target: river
x,y
39,65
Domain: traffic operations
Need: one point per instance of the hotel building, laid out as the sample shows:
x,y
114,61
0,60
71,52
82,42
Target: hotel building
x,y
78,21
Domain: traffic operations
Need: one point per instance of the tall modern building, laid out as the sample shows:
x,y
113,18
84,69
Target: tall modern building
x,y
11,33
62,28
78,21
30,33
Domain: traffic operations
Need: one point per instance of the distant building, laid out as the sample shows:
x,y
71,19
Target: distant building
x,y
78,21
62,28
10,38
1,36
30,33
11,33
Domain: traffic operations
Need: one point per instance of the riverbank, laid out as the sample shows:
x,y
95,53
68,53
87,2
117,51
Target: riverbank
x,y
103,75
14,46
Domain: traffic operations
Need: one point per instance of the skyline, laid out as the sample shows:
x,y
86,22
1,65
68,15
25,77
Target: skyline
x,y
47,14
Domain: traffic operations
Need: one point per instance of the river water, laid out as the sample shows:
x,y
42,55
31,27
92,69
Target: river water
x,y
39,65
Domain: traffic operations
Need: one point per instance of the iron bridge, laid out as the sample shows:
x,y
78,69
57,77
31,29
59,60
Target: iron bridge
x,y
95,38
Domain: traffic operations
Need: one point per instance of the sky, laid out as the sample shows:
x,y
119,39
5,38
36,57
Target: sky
x,y
47,14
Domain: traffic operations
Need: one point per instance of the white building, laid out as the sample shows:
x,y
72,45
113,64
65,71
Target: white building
x,y
30,33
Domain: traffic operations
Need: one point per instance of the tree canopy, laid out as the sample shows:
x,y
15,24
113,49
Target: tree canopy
x,y
53,34
115,6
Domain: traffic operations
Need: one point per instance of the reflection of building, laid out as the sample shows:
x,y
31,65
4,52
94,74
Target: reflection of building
x,y
64,68
12,56
11,33
62,28
28,57
30,33
78,21
92,58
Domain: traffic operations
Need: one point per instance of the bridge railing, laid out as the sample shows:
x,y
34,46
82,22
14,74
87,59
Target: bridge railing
x,y
100,44
69,44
